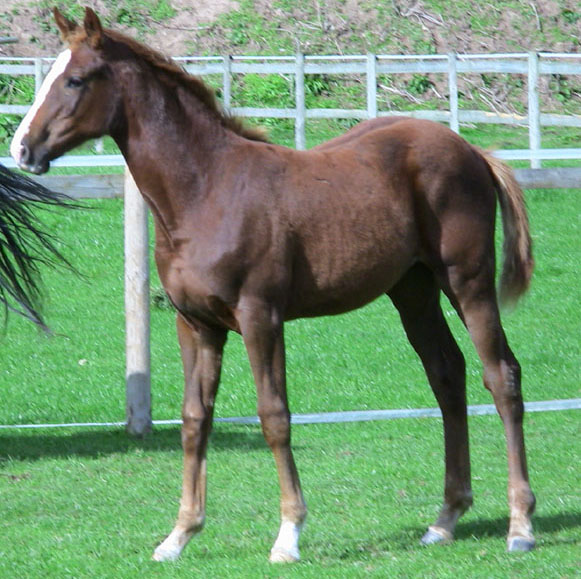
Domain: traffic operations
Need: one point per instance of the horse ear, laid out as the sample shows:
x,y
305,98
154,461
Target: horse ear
x,y
66,26
93,28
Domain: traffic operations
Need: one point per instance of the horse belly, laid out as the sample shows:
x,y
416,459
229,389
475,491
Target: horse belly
x,y
350,275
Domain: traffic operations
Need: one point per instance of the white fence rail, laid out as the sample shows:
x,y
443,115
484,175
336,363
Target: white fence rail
x,y
532,65
136,262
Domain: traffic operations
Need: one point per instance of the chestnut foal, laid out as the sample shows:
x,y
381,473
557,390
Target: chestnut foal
x,y
250,234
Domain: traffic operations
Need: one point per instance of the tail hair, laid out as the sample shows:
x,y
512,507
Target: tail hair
x,y
24,245
518,261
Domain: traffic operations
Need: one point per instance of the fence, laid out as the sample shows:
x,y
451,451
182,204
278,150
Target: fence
x,y
532,66
136,235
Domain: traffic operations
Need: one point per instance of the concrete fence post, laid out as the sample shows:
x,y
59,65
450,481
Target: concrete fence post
x,y
453,90
534,113
300,141
137,327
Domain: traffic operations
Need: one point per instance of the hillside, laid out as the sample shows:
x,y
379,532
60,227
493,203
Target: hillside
x,y
182,27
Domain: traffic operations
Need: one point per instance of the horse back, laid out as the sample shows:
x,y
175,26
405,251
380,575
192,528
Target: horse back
x,y
388,194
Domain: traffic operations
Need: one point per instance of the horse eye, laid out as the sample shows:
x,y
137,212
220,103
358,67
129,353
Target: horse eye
x,y
75,82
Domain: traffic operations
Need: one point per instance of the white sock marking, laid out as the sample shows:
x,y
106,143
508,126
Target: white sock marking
x,y
56,70
288,539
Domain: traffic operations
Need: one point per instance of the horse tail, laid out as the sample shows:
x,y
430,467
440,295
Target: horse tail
x,y
24,246
518,261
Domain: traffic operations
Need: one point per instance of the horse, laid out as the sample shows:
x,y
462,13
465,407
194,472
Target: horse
x,y
24,245
249,235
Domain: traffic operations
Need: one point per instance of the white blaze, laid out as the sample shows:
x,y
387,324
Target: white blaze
x,y
56,70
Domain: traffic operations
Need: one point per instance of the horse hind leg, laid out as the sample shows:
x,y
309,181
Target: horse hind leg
x,y
472,292
416,297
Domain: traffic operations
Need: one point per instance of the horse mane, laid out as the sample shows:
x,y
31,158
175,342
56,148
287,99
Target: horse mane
x,y
194,84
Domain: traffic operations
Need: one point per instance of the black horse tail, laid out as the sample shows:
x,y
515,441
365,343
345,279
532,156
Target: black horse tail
x,y
24,245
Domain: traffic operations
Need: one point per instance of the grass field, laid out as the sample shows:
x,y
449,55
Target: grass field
x,y
93,503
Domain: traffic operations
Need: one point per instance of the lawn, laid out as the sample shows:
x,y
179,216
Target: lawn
x,y
93,502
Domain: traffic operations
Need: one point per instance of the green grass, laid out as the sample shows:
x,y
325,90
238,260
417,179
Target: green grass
x,y
357,361
94,503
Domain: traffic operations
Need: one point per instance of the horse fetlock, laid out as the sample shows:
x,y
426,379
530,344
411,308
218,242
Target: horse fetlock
x,y
462,502
455,506
191,521
522,502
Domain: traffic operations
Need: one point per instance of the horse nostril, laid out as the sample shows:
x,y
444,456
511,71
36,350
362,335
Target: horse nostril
x,y
24,154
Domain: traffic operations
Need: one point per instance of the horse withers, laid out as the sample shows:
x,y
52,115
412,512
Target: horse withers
x,y
249,235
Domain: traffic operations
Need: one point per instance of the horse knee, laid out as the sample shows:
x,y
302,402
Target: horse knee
x,y
275,422
195,429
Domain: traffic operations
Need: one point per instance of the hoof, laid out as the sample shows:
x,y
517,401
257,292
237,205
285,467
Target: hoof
x,y
283,556
162,554
520,544
172,547
169,550
437,535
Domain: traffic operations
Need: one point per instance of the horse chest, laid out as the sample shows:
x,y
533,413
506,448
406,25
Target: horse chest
x,y
196,288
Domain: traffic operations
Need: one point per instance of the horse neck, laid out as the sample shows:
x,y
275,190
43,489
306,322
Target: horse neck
x,y
170,140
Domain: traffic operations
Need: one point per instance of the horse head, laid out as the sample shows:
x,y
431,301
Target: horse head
x,y
76,101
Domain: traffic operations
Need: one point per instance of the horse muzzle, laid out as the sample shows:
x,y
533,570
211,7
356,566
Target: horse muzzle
x,y
31,161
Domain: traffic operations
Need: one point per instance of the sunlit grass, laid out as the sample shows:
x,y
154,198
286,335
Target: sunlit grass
x,y
357,361
94,503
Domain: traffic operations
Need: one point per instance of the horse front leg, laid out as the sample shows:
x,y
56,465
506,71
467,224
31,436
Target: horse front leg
x,y
201,352
262,330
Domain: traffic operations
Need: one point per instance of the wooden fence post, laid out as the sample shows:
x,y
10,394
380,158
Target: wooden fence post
x,y
371,79
137,369
38,74
300,142
371,86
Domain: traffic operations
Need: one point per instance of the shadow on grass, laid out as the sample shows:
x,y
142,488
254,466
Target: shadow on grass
x,y
35,445
544,526
407,539
499,527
